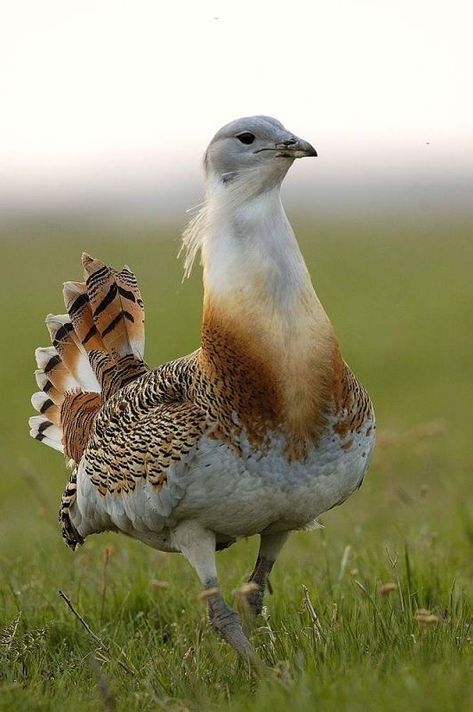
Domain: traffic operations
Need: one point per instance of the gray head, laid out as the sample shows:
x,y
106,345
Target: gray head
x,y
256,144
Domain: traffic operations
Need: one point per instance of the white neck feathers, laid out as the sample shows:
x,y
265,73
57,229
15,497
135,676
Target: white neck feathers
x,y
247,244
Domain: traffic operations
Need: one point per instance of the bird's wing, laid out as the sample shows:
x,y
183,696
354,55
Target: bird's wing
x,y
141,442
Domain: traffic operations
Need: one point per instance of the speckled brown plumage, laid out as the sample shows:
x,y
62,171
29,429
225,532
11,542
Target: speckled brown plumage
x,y
142,430
351,403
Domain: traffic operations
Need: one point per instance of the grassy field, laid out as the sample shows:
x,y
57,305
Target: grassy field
x,y
401,298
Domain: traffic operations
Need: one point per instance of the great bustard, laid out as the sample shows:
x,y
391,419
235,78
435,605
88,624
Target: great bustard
x,y
259,431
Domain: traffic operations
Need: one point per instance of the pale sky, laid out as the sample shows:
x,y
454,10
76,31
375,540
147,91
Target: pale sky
x,y
103,93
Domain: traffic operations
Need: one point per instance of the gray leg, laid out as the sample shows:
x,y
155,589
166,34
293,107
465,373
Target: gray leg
x,y
227,623
270,546
198,546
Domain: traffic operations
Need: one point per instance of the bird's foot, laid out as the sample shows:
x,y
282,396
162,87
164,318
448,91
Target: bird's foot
x,y
227,623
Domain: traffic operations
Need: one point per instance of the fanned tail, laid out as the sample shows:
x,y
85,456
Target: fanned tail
x,y
97,347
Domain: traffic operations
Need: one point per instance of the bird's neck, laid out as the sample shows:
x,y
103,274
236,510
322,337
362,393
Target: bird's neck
x,y
261,313
249,252
253,266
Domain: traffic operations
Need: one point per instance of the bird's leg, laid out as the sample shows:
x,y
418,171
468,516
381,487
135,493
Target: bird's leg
x,y
198,546
270,546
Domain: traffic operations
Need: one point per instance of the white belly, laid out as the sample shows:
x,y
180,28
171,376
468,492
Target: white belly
x,y
233,494
239,495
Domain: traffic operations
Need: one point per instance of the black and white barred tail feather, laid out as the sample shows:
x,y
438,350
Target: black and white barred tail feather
x,y
47,432
55,379
71,352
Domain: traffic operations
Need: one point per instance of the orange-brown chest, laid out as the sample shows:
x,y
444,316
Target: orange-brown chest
x,y
268,371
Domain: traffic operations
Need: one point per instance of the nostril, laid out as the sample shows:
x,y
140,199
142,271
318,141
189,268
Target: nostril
x,y
290,142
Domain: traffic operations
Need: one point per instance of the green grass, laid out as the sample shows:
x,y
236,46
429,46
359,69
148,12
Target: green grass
x,y
401,298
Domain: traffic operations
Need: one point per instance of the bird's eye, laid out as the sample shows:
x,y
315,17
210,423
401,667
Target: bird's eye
x,y
246,137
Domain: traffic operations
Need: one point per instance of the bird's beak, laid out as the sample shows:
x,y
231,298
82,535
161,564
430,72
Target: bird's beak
x,y
296,148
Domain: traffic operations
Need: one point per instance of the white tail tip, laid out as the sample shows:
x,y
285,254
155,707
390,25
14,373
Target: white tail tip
x,y
42,429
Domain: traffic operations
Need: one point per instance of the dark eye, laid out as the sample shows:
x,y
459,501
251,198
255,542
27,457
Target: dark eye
x,y
246,137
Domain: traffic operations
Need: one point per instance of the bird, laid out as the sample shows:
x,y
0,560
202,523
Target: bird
x,y
257,432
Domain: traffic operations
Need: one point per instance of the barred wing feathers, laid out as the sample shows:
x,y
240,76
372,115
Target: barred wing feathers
x,y
132,471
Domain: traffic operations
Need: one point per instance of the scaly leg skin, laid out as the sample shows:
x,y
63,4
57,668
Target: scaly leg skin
x,y
227,622
270,546
198,546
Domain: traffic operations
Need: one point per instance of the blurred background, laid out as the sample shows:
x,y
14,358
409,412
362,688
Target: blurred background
x,y
107,108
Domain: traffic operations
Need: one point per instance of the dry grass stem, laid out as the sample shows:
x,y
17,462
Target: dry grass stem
x,y
207,593
309,607
425,617
386,589
93,635
245,589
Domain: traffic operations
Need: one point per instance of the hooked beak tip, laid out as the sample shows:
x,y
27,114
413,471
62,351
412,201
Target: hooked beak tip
x,y
305,149
296,148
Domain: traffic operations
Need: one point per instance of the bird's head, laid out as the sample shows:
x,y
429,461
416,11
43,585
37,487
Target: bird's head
x,y
245,164
254,149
